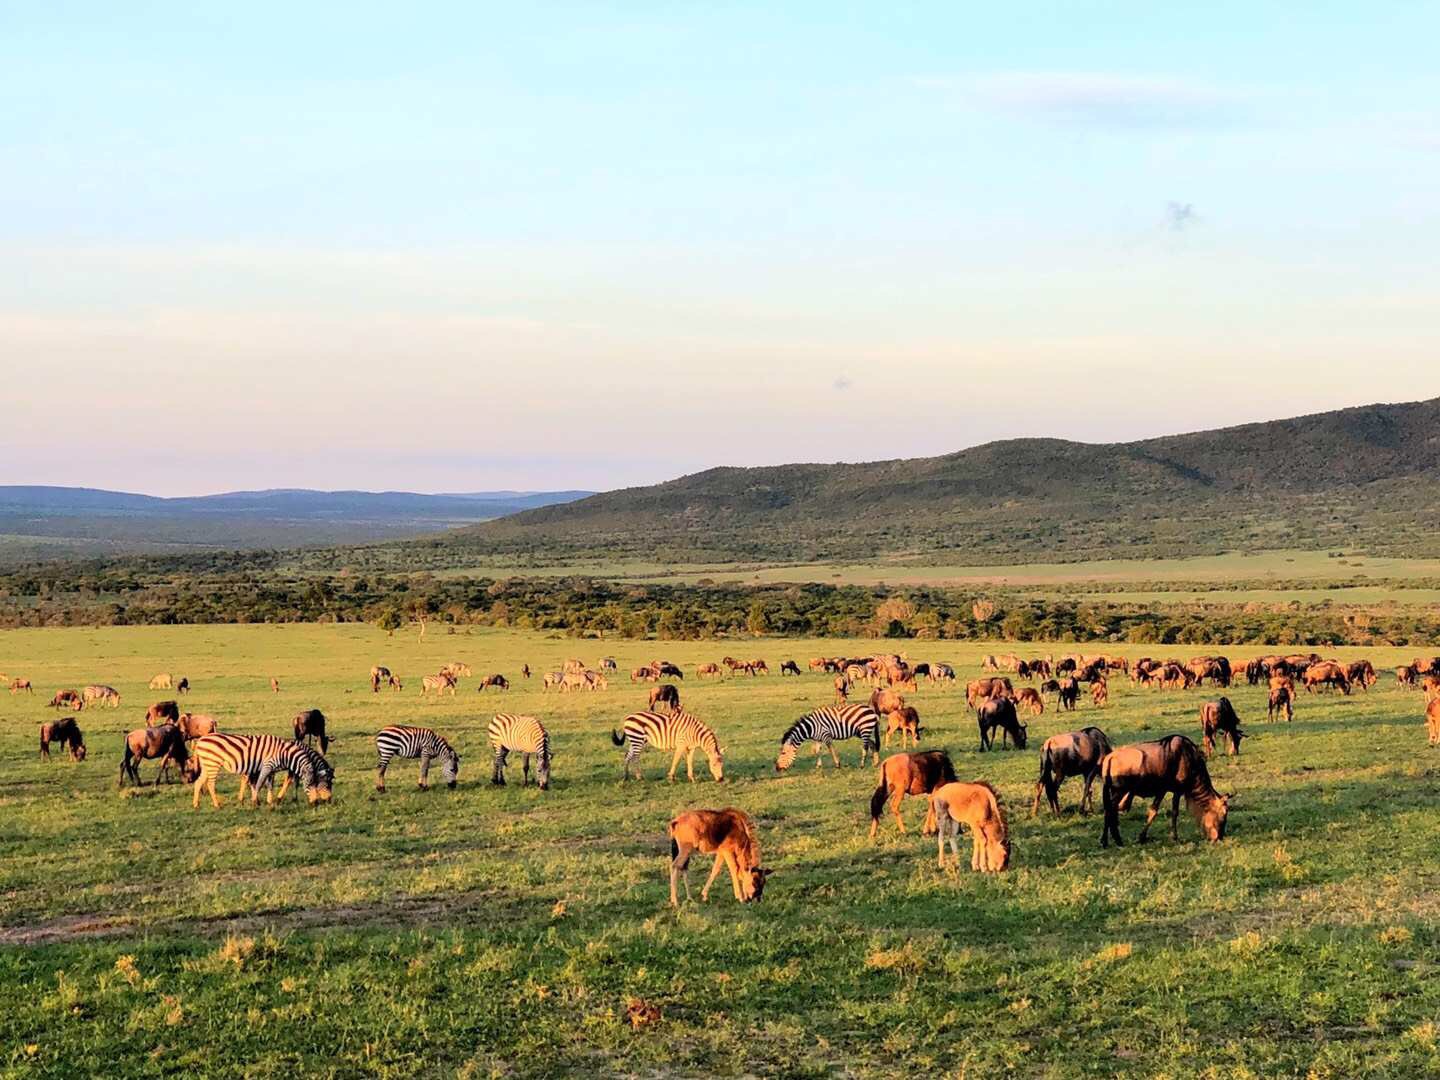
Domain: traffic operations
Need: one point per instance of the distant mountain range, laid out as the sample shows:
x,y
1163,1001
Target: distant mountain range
x,y
45,522
1356,478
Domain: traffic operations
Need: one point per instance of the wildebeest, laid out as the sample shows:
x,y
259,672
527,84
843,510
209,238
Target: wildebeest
x,y
789,667
1100,692
65,732
939,672
1030,700
69,699
1050,686
1431,685
1170,766
1432,721
842,689
1405,675
705,671
1075,753
1069,694
667,695
166,742
1254,671
106,695
163,681
439,683
999,712
274,684
193,725
1218,717
497,681
730,834
639,674
920,671
458,671
978,690
382,676
183,686
1282,703
1362,674
608,664
978,806
664,668
17,685
886,701
917,773
309,725
1326,674
906,721
162,712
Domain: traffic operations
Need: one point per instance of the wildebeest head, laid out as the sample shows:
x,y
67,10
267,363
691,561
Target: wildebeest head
x,y
755,885
1021,733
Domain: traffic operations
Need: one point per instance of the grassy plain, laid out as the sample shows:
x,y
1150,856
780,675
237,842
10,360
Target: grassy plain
x,y
504,931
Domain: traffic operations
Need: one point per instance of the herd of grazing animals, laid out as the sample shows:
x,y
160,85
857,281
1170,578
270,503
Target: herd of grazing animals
x,y
1172,766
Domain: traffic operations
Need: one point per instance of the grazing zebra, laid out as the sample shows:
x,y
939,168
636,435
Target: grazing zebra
x,y
415,742
438,683
256,759
525,735
678,731
827,725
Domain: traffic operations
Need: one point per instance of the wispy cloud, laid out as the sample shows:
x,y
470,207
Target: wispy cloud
x,y
1097,99
1180,216
842,383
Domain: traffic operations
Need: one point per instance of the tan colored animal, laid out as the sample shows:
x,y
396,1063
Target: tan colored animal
x,y
162,712
1282,680
193,725
1431,685
708,671
274,684
1075,753
437,683
886,701
67,699
978,690
17,685
65,732
1432,721
456,671
842,689
1029,699
104,695
1327,674
729,834
910,774
163,681
382,676
1282,703
907,722
978,806
1100,693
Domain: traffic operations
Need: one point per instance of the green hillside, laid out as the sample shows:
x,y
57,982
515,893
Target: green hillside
x,y
1356,477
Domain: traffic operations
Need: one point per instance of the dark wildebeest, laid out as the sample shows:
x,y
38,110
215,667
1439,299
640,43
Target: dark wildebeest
x,y
1282,703
920,671
1326,674
193,725
65,732
165,742
609,664
999,712
497,681
1075,753
789,667
183,686
1218,717
1254,671
1170,766
1050,686
162,712
667,695
910,774
665,668
309,725
67,699
1362,674
1069,694
1405,675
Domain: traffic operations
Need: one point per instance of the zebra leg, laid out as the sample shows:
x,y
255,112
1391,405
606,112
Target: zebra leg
x,y
380,767
818,751
526,764
284,787
424,772
632,757
675,764
498,776
834,757
690,764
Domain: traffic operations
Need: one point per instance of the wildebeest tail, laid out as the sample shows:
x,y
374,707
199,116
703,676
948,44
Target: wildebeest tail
x,y
616,737
877,801
1047,768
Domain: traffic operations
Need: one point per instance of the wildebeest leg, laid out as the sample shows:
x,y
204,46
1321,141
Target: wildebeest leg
x,y
424,772
929,827
714,873
1150,817
895,805
1109,804
984,745
680,864
1087,799
497,777
1175,817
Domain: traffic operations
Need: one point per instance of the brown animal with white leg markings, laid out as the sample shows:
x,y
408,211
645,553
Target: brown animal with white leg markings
x,y
910,774
729,834
978,806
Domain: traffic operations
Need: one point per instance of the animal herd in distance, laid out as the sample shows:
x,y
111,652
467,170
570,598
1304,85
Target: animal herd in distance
x,y
1172,766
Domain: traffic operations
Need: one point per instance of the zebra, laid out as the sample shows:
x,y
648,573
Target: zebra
x,y
525,735
678,731
415,742
827,725
256,759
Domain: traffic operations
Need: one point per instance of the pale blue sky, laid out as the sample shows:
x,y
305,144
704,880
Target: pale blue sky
x,y
446,246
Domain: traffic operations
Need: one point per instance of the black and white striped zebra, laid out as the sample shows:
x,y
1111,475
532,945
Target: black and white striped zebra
x,y
415,742
827,725
524,735
677,731
256,759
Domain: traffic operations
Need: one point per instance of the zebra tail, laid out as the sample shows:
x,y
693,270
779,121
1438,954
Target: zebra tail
x,y
616,737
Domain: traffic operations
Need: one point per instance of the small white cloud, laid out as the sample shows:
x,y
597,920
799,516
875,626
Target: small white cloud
x,y
1097,98
1180,216
842,383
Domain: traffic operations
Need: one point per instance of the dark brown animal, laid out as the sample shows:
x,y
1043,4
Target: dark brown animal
x,y
1405,675
67,699
907,722
1069,694
730,834
162,712
1362,674
910,774
842,689
65,732
1327,674
667,695
183,686
1075,753
165,742
1218,717
497,681
789,667
309,725
1282,703
1170,766
999,712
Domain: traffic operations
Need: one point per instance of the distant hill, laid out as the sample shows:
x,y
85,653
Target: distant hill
x,y
38,522
1360,477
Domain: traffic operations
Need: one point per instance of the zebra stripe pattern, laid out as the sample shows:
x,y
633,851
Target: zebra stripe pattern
x,y
415,742
828,725
524,735
678,731
256,759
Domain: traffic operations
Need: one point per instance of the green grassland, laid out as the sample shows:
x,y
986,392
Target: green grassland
x,y
488,931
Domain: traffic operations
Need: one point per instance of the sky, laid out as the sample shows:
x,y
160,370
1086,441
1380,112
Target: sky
x,y
466,246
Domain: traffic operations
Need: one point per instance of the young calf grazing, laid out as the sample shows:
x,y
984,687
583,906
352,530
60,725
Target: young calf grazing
x,y
907,722
978,806
910,774
730,835
1169,766
999,712
1282,703
1218,717
1075,753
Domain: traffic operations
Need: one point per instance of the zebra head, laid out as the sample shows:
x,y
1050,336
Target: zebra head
x,y
717,762
452,769
321,780
786,758
542,771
